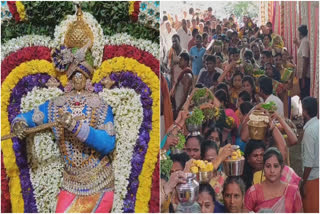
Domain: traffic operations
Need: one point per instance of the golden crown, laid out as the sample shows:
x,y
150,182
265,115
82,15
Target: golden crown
x,y
78,32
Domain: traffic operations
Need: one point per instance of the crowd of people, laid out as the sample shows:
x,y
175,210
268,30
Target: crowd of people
x,y
244,66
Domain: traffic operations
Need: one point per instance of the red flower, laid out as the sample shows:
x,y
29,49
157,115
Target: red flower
x,y
23,55
136,11
5,195
13,10
155,196
144,57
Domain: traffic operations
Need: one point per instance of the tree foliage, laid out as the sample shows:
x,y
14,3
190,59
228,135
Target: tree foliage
x,y
240,8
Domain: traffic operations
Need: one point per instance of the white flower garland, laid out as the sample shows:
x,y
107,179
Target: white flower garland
x,y
44,157
43,154
128,112
97,47
126,39
16,44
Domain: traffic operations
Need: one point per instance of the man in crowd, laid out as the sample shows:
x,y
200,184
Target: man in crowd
x,y
196,53
310,156
184,34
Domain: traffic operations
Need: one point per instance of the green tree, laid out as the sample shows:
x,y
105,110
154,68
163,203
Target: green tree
x,y
241,8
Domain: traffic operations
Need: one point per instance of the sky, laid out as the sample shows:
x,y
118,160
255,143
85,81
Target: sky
x,y
176,7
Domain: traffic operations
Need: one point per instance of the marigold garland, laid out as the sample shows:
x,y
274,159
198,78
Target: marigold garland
x,y
150,78
23,55
21,10
131,7
24,69
144,57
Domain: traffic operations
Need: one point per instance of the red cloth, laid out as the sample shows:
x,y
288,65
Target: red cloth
x,y
166,105
191,43
66,200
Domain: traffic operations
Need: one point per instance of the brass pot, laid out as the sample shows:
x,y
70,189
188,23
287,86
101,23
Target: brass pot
x,y
233,167
204,177
257,130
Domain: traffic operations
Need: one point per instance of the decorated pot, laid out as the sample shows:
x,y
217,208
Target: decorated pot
x,y
188,192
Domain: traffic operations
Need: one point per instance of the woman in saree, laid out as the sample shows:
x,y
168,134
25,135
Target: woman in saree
x,y
273,194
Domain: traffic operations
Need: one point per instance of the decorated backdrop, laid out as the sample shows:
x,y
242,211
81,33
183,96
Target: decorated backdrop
x,y
126,49
286,17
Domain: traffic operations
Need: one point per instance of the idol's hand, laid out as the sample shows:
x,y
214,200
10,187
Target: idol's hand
x,y
66,120
19,129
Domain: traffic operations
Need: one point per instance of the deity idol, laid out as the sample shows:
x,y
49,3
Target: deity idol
x,y
84,131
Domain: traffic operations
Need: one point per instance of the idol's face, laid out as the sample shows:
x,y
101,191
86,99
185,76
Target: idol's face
x,y
79,81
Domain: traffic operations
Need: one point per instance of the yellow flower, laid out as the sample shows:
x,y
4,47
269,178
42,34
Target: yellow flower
x,y
21,10
117,64
9,158
131,7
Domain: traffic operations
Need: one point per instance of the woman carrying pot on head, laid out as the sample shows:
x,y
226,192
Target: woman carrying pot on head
x,y
233,192
273,136
209,152
253,160
273,193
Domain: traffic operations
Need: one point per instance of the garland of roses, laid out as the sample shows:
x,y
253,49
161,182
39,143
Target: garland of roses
x,y
16,44
126,39
5,195
111,51
151,79
154,203
134,10
23,55
12,61
17,10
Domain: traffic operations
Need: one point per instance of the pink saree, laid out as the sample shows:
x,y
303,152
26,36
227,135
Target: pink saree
x,y
290,202
97,203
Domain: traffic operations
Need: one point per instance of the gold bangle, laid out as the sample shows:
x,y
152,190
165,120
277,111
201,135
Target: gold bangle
x,y
78,130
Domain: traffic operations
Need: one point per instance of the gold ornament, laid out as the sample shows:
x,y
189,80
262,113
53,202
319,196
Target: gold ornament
x,y
78,32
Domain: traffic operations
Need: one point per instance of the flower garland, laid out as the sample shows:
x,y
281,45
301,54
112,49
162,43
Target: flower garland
x,y
149,78
131,80
5,195
134,10
13,10
23,55
43,154
25,85
149,14
10,159
128,113
111,51
21,10
16,44
97,47
126,39
154,203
